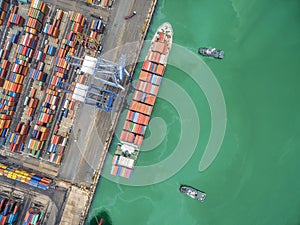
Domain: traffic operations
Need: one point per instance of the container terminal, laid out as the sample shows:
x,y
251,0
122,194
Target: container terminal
x,y
60,101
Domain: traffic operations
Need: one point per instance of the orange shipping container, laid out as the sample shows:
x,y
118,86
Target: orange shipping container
x,y
32,93
59,14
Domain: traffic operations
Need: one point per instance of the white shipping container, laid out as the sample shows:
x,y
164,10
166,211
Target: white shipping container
x,y
64,142
66,104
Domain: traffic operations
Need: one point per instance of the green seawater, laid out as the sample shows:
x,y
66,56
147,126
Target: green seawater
x,y
255,177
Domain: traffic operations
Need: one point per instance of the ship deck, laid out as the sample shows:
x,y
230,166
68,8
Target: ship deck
x,y
142,103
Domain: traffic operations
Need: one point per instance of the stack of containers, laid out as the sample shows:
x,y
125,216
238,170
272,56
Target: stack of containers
x,y
39,56
17,139
53,149
48,29
40,132
123,166
35,146
59,14
58,143
62,53
9,210
53,29
30,104
153,68
50,50
27,47
13,86
34,216
14,18
78,21
36,17
24,176
4,7
94,34
69,46
4,68
97,25
104,3
46,115
15,37
5,52
96,28
38,74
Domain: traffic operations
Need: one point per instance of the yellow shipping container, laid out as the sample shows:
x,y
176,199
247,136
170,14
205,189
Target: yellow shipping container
x,y
2,122
3,166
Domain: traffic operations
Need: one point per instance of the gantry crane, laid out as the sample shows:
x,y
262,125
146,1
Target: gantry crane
x,y
87,41
110,73
91,95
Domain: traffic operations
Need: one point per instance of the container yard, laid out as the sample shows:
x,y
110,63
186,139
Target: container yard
x,y
40,121
49,35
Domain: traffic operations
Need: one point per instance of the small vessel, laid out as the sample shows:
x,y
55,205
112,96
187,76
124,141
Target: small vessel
x,y
211,52
193,193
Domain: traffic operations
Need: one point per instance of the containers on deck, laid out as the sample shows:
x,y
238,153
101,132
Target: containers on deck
x,y
153,67
142,102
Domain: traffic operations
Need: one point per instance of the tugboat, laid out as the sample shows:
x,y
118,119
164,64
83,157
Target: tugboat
x,y
193,193
212,52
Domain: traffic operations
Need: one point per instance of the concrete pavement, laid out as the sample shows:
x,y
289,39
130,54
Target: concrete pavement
x,y
82,157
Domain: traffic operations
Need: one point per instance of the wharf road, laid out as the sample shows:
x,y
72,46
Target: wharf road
x,y
93,129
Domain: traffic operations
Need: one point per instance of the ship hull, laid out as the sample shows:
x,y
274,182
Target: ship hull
x,y
211,52
193,193
142,102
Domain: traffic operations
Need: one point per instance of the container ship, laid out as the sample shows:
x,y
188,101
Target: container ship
x,y
142,102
